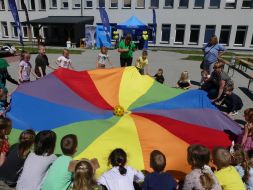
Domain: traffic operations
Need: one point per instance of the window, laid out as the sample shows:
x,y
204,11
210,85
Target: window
x,y
101,3
154,3
180,29
194,36
4,28
32,5
14,31
150,32
215,4
183,3
88,3
225,34
25,31
20,6
114,3
241,34
210,31
251,40
199,4
127,3
247,4
64,4
231,4
76,4
53,4
2,5
169,3
165,33
140,4
42,4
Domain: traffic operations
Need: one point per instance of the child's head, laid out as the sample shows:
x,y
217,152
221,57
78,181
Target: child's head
x,y
25,56
84,175
104,50
221,157
45,143
65,53
248,114
198,156
69,144
144,54
184,76
218,67
42,50
160,72
26,140
118,157
5,126
228,89
157,161
204,74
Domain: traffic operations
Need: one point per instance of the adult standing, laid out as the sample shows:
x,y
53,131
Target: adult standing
x,y
216,84
41,62
126,49
212,51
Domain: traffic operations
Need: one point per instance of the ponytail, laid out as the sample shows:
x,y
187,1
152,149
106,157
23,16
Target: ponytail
x,y
206,179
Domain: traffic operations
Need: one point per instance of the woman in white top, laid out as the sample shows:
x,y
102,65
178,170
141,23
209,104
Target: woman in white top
x,y
64,61
120,176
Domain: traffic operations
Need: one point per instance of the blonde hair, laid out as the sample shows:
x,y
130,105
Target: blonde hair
x,y
184,76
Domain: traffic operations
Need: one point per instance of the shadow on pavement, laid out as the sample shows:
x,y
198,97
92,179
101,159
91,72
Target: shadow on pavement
x,y
247,92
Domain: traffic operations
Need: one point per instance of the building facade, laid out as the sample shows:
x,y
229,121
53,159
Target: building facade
x,y
180,23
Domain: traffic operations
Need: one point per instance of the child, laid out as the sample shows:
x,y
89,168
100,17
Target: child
x,y
58,176
159,76
232,101
227,175
201,176
84,174
64,61
120,176
3,100
247,141
204,77
142,62
184,81
102,57
10,170
5,129
25,68
158,180
38,162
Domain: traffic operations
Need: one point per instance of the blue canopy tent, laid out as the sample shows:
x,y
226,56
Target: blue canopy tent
x,y
135,27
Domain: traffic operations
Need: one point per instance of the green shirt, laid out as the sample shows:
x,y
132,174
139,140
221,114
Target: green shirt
x,y
131,48
58,177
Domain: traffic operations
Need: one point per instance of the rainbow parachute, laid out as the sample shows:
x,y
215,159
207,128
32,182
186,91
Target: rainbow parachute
x,y
155,116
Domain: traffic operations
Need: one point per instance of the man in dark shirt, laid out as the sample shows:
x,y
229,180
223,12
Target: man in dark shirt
x,y
41,62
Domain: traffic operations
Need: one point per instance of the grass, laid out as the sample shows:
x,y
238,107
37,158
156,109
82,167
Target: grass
x,y
49,50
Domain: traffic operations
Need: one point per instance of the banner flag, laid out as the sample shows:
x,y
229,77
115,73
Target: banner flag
x,y
106,23
154,27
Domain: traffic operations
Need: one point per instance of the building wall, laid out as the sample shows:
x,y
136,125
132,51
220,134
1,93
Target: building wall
x,y
172,16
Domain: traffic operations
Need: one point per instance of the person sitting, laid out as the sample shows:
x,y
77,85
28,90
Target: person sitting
x,y
227,175
201,177
58,176
158,180
120,176
204,77
5,130
11,168
159,76
232,101
184,81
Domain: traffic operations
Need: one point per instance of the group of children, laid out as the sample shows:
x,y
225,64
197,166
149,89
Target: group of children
x,y
33,158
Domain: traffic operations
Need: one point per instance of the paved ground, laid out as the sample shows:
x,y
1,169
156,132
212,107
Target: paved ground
x,y
170,62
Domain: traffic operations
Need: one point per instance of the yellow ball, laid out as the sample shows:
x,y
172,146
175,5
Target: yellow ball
x,y
118,110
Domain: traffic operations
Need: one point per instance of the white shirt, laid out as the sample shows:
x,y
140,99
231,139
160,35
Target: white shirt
x,y
26,69
113,180
34,170
63,62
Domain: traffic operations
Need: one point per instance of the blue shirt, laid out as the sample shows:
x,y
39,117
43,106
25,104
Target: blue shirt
x,y
159,181
211,53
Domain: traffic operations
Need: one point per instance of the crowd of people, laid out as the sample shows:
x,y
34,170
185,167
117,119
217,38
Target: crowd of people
x,y
33,156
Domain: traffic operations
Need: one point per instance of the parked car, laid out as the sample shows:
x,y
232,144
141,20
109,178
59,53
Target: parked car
x,y
7,50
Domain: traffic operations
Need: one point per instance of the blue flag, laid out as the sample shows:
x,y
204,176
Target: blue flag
x,y
106,23
14,11
154,27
